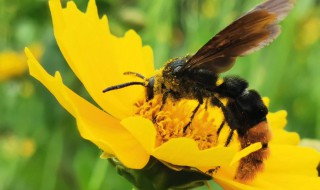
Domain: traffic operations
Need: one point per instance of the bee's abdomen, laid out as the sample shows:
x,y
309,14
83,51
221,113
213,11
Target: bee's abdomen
x,y
250,111
250,165
245,105
248,117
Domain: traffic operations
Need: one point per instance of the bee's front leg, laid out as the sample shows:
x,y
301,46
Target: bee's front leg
x,y
165,96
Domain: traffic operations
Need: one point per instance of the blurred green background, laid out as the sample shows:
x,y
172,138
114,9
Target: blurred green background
x,y
40,147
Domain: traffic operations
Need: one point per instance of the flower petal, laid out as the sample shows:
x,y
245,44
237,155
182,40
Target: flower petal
x,y
98,58
230,184
274,182
266,101
93,124
288,167
277,121
143,130
292,159
252,148
281,136
292,181
185,152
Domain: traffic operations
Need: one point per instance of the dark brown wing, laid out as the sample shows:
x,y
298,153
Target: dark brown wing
x,y
249,33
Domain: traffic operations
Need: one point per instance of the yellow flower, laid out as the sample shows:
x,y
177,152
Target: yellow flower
x,y
14,147
310,32
122,125
13,64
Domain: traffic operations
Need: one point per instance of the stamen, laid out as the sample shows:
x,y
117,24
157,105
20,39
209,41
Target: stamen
x,y
171,119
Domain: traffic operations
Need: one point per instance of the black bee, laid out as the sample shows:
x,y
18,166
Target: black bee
x,y
195,77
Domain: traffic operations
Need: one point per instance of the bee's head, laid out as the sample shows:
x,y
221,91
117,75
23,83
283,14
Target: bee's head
x,y
173,67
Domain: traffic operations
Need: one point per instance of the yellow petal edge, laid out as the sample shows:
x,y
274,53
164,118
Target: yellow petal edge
x,y
104,57
94,125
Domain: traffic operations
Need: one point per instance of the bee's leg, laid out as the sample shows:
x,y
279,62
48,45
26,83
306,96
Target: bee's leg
x,y
228,118
213,170
221,126
193,114
163,102
164,98
206,104
229,137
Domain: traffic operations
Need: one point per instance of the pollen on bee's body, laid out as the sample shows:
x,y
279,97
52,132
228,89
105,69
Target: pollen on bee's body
x,y
175,115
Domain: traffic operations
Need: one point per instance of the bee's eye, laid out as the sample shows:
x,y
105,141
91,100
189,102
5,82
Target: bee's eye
x,y
177,69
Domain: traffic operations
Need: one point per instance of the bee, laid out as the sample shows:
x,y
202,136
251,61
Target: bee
x,y
196,77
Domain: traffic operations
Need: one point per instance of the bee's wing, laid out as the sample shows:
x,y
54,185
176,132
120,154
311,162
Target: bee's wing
x,y
249,33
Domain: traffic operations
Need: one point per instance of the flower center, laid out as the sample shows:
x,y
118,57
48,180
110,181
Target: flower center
x,y
175,115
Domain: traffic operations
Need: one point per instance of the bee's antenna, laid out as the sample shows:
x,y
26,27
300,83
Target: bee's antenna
x,y
123,85
135,74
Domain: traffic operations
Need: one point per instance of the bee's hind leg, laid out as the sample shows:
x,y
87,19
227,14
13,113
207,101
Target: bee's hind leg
x,y
200,100
228,118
